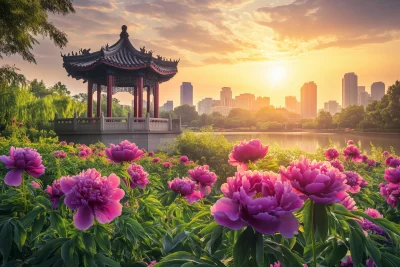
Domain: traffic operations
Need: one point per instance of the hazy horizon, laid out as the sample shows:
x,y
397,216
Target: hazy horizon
x,y
265,47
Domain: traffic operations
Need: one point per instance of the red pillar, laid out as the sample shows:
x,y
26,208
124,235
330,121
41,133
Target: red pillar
x,y
156,99
135,106
90,99
110,85
140,94
98,100
148,100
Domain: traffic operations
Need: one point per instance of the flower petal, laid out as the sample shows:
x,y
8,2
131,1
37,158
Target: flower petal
x,y
7,161
108,212
117,194
84,218
114,180
67,183
289,225
14,177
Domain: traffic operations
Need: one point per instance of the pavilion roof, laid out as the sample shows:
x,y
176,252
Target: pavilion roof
x,y
120,56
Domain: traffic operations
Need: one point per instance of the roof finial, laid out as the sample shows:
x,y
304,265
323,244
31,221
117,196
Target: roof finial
x,y
124,34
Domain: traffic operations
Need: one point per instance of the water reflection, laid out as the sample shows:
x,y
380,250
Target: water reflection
x,y
310,141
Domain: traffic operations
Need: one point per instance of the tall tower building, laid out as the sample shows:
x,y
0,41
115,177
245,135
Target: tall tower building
x,y
226,96
377,91
309,100
292,105
187,94
349,90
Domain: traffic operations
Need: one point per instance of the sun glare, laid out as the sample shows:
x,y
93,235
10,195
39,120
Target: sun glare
x,y
276,73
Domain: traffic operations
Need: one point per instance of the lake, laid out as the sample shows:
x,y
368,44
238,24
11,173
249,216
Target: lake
x,y
309,141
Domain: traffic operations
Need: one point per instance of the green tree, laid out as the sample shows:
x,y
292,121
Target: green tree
x,y
22,20
187,113
351,116
39,89
60,89
324,120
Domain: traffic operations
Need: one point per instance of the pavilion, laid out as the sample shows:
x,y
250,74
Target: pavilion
x,y
119,68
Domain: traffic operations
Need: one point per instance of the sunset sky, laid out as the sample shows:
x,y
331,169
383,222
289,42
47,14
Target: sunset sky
x,y
266,47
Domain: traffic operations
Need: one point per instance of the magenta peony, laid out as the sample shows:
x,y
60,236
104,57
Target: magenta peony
x,y
352,153
155,160
55,192
84,151
246,152
337,164
391,192
347,201
370,263
92,195
186,188
35,184
368,225
71,143
392,175
318,181
124,151
100,154
276,264
392,162
63,143
184,159
59,154
348,262
355,181
364,158
152,264
139,178
260,200
22,159
371,162
331,154
350,142
150,154
167,165
385,154
204,178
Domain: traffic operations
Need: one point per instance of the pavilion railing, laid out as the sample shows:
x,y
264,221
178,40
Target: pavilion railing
x,y
116,124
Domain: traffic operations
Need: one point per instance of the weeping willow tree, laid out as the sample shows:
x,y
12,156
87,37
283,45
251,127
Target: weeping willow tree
x,y
14,101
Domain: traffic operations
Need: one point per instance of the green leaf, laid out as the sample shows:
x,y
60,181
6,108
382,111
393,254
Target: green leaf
x,y
68,253
242,248
337,252
321,221
28,219
101,237
177,259
19,235
392,258
47,250
44,202
6,239
308,221
57,223
106,260
37,227
215,240
356,247
260,249
90,244
373,252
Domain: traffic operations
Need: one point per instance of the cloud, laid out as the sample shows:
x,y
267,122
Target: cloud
x,y
93,4
338,23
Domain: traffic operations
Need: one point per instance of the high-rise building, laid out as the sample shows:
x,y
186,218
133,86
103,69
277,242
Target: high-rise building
x,y
332,107
187,94
223,110
226,97
292,105
364,99
309,100
377,91
244,101
261,102
205,106
360,94
349,90
168,106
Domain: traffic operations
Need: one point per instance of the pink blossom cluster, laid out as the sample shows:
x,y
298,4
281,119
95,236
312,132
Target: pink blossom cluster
x,y
59,154
391,190
260,200
352,153
167,165
124,151
20,160
92,195
155,160
355,181
367,225
392,162
138,177
204,178
331,154
63,143
184,160
55,192
246,152
84,151
186,188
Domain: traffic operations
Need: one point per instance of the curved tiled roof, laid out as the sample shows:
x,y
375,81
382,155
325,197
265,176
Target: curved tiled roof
x,y
121,55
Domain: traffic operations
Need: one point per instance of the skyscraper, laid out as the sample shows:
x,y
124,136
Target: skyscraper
x,y
292,105
187,94
261,102
168,106
244,101
226,96
309,100
377,91
332,107
205,106
349,90
363,99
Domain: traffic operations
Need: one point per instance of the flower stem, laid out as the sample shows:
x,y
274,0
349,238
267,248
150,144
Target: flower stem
x,y
313,235
23,191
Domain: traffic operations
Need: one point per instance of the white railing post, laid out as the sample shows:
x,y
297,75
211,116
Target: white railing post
x,y
169,123
102,122
180,124
75,122
147,123
128,123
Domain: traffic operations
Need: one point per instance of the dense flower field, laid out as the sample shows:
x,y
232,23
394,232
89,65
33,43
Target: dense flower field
x,y
75,205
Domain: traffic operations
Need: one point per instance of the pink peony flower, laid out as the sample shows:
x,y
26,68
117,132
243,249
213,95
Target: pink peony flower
x,y
391,192
184,159
84,151
167,165
92,195
124,151
337,164
350,142
392,175
186,188
150,154
59,154
355,181
385,154
71,143
35,184
318,181
368,225
152,264
331,154
63,143
155,160
73,153
260,200
204,178
370,263
138,176
246,152
392,162
347,201
276,264
348,262
364,158
371,162
55,192
100,154
22,159
352,153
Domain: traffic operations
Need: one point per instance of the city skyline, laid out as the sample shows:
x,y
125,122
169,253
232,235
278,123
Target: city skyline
x,y
259,53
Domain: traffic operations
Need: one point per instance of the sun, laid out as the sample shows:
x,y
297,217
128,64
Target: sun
x,y
276,73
